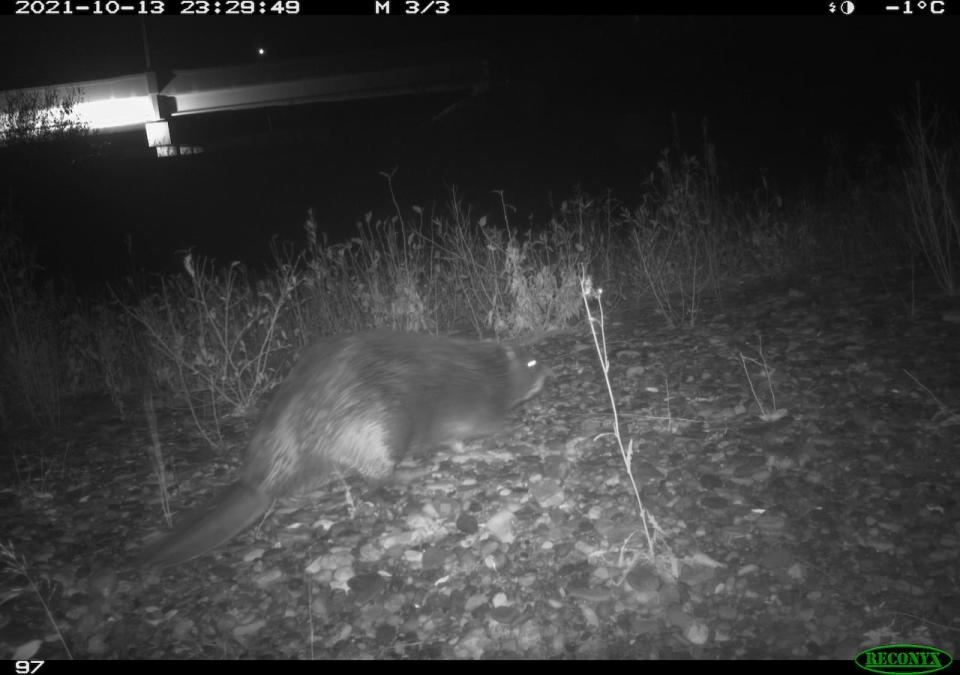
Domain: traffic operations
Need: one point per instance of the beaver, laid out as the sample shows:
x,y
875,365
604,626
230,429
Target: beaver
x,y
359,403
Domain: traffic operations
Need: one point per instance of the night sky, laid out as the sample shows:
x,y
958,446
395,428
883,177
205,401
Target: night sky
x,y
575,100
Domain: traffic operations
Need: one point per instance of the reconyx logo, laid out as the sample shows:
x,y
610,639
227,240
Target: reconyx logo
x,y
903,659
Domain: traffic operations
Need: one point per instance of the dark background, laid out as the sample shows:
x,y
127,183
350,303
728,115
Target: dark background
x,y
586,101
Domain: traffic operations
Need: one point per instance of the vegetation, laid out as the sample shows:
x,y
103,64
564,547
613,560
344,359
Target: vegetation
x,y
217,337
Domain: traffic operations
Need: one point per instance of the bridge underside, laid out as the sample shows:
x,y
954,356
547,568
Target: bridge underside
x,y
155,101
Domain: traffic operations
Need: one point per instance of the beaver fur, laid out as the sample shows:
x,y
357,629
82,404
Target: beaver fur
x,y
359,403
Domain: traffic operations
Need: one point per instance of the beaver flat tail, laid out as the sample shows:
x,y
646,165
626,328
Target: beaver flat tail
x,y
238,507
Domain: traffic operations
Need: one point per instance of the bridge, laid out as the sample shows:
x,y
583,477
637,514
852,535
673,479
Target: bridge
x,y
156,100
